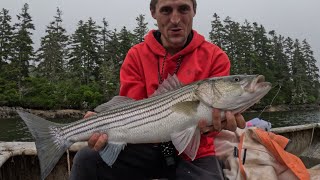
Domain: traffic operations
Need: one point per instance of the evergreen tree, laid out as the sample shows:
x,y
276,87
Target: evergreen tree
x,y
141,30
104,40
312,71
8,89
246,58
232,44
262,50
84,55
22,49
53,50
126,40
120,44
300,79
113,49
107,69
281,71
217,33
6,34
288,51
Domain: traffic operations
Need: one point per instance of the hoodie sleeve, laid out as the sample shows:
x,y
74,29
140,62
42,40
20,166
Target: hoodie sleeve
x,y
132,83
220,64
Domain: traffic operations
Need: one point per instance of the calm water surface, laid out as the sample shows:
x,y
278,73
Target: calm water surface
x,y
16,130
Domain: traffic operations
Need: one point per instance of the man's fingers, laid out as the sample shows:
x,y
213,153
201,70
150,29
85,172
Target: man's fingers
x,y
241,123
202,124
216,119
93,139
231,121
88,114
223,124
101,142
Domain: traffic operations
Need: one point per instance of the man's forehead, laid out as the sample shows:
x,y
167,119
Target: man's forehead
x,y
162,3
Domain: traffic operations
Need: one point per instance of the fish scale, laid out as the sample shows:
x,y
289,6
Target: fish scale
x,y
126,114
171,114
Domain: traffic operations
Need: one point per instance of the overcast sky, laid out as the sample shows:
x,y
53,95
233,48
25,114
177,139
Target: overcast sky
x,y
294,18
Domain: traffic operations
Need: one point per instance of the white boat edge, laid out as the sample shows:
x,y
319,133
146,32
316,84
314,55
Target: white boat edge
x,y
10,149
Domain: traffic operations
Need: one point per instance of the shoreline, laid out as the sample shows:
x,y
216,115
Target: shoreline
x,y
10,112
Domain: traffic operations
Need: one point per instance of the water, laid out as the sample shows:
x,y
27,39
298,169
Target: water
x,y
292,118
16,130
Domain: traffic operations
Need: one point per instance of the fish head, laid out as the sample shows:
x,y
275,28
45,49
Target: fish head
x,y
233,93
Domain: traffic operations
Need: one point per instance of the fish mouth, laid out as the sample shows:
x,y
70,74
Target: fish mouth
x,y
258,84
254,91
253,88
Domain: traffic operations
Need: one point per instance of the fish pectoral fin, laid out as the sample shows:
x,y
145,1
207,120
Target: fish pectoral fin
x,y
188,108
111,151
187,141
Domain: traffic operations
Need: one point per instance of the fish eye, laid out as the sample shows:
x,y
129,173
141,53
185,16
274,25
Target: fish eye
x,y
237,79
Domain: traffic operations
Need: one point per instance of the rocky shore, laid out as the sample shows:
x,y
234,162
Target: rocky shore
x,y
11,112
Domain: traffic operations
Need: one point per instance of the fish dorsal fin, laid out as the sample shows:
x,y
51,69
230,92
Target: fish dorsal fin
x,y
187,141
111,151
169,84
113,103
188,108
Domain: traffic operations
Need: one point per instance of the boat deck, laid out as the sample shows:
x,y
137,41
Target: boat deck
x,y
18,160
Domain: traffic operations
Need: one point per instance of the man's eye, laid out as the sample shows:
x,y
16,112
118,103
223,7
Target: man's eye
x,y
184,9
165,10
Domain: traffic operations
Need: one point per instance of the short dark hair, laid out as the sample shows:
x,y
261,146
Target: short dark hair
x,y
153,4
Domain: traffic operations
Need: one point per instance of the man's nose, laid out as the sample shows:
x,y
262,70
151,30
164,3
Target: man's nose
x,y
175,17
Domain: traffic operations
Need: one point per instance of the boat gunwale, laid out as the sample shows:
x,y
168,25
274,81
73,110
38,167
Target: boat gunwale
x,y
281,130
10,149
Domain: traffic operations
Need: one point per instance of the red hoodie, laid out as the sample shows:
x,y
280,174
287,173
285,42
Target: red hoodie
x,y
199,60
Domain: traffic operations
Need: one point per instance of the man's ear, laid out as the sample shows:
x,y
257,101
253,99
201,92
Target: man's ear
x,y
153,13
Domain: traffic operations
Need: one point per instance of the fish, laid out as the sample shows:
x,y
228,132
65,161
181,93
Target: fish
x,y
170,114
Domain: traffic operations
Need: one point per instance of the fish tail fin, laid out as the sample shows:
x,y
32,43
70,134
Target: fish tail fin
x,y
50,143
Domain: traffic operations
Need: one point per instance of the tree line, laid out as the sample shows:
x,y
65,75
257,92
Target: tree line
x,y
81,70
288,63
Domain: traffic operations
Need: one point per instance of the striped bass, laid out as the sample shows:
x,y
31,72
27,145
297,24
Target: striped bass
x,y
170,114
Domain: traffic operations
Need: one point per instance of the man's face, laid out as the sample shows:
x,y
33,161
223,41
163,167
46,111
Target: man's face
x,y
174,19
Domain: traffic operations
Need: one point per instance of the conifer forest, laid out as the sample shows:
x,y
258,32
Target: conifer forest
x,y
80,69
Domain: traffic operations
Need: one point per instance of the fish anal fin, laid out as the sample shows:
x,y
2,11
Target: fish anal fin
x,y
193,146
187,141
111,151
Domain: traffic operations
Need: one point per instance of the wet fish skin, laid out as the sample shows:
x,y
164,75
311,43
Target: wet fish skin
x,y
171,114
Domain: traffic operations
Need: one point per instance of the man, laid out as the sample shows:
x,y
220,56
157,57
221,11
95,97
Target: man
x,y
173,49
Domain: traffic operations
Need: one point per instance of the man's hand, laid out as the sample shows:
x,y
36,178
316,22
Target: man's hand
x,y
231,123
98,140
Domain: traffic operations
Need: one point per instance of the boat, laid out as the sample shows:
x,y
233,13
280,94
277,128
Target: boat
x,y
18,160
